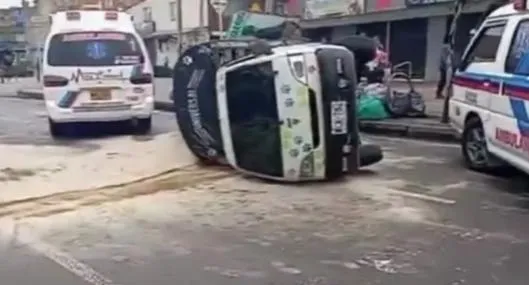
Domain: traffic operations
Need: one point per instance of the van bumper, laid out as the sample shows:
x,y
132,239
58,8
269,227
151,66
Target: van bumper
x,y
136,111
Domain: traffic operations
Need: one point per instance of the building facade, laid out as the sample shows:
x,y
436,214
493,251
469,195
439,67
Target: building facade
x,y
169,26
13,26
411,30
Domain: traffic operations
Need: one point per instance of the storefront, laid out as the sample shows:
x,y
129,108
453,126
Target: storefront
x,y
406,37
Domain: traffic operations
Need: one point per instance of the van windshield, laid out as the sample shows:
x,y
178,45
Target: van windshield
x,y
254,120
94,49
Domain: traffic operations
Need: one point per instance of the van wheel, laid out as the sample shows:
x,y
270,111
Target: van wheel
x,y
144,126
474,146
56,129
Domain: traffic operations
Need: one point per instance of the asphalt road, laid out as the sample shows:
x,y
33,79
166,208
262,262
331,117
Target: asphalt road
x,y
25,122
416,218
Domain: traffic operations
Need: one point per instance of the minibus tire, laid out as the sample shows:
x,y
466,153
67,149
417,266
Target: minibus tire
x,y
56,129
472,124
144,126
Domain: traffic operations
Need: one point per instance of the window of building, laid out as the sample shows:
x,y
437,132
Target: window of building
x,y
518,57
147,14
173,10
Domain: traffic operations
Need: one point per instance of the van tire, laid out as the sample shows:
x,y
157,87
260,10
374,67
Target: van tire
x,y
474,146
144,126
56,129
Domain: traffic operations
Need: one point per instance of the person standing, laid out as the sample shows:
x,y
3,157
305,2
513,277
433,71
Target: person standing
x,y
445,63
37,69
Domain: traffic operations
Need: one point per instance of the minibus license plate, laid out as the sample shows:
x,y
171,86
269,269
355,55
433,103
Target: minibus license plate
x,y
339,117
100,95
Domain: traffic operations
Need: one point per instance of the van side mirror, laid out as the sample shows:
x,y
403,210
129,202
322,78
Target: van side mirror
x,y
472,32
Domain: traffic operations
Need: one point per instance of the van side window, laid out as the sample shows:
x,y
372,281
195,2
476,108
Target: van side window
x,y
518,57
486,45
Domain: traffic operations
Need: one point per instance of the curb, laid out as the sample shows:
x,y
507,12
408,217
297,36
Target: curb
x,y
37,95
405,129
30,94
418,131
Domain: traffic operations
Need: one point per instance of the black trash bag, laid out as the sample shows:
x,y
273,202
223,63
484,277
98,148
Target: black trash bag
x,y
195,103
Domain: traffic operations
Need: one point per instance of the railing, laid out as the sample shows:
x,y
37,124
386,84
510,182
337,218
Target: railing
x,y
399,66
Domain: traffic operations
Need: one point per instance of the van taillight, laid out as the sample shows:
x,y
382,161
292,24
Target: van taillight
x,y
54,81
142,78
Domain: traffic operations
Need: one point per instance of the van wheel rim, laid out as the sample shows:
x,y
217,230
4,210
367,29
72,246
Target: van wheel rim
x,y
476,147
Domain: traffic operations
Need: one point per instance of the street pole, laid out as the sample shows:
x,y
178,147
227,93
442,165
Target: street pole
x,y
180,28
458,9
220,7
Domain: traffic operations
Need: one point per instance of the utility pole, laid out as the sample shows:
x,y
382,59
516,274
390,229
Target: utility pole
x,y
459,5
220,7
458,9
180,28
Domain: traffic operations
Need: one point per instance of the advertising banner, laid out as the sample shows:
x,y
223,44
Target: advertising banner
x,y
425,2
248,24
317,9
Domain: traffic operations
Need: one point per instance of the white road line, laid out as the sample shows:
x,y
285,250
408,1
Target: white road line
x,y
61,258
423,197
409,141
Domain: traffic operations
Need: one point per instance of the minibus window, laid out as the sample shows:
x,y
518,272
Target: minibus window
x,y
254,119
94,49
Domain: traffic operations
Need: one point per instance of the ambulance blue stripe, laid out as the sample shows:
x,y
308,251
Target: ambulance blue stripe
x,y
67,99
517,105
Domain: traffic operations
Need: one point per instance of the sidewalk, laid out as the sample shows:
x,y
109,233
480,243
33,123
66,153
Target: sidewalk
x,y
11,87
430,127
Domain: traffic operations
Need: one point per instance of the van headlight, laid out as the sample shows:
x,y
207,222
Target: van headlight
x,y
307,166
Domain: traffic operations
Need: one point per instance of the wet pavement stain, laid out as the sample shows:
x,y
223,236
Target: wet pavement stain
x,y
174,180
15,174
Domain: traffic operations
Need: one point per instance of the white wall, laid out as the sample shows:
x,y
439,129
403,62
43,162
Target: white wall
x,y
161,13
167,49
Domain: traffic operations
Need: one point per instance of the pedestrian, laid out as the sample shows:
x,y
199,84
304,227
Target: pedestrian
x,y
37,69
445,63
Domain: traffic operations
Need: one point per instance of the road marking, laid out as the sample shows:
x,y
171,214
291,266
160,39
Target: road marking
x,y
423,197
410,141
61,258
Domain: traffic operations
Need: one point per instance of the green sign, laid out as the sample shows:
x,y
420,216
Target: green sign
x,y
244,24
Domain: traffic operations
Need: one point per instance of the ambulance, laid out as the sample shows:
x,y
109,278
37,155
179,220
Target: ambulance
x,y
490,103
96,69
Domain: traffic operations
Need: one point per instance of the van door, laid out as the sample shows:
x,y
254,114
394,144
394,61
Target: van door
x,y
301,116
477,82
300,130
510,117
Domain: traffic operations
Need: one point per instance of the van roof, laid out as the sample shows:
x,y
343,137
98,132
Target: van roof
x,y
91,21
509,10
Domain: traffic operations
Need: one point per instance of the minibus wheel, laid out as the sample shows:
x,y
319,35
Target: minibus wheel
x,y
56,129
143,126
474,145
